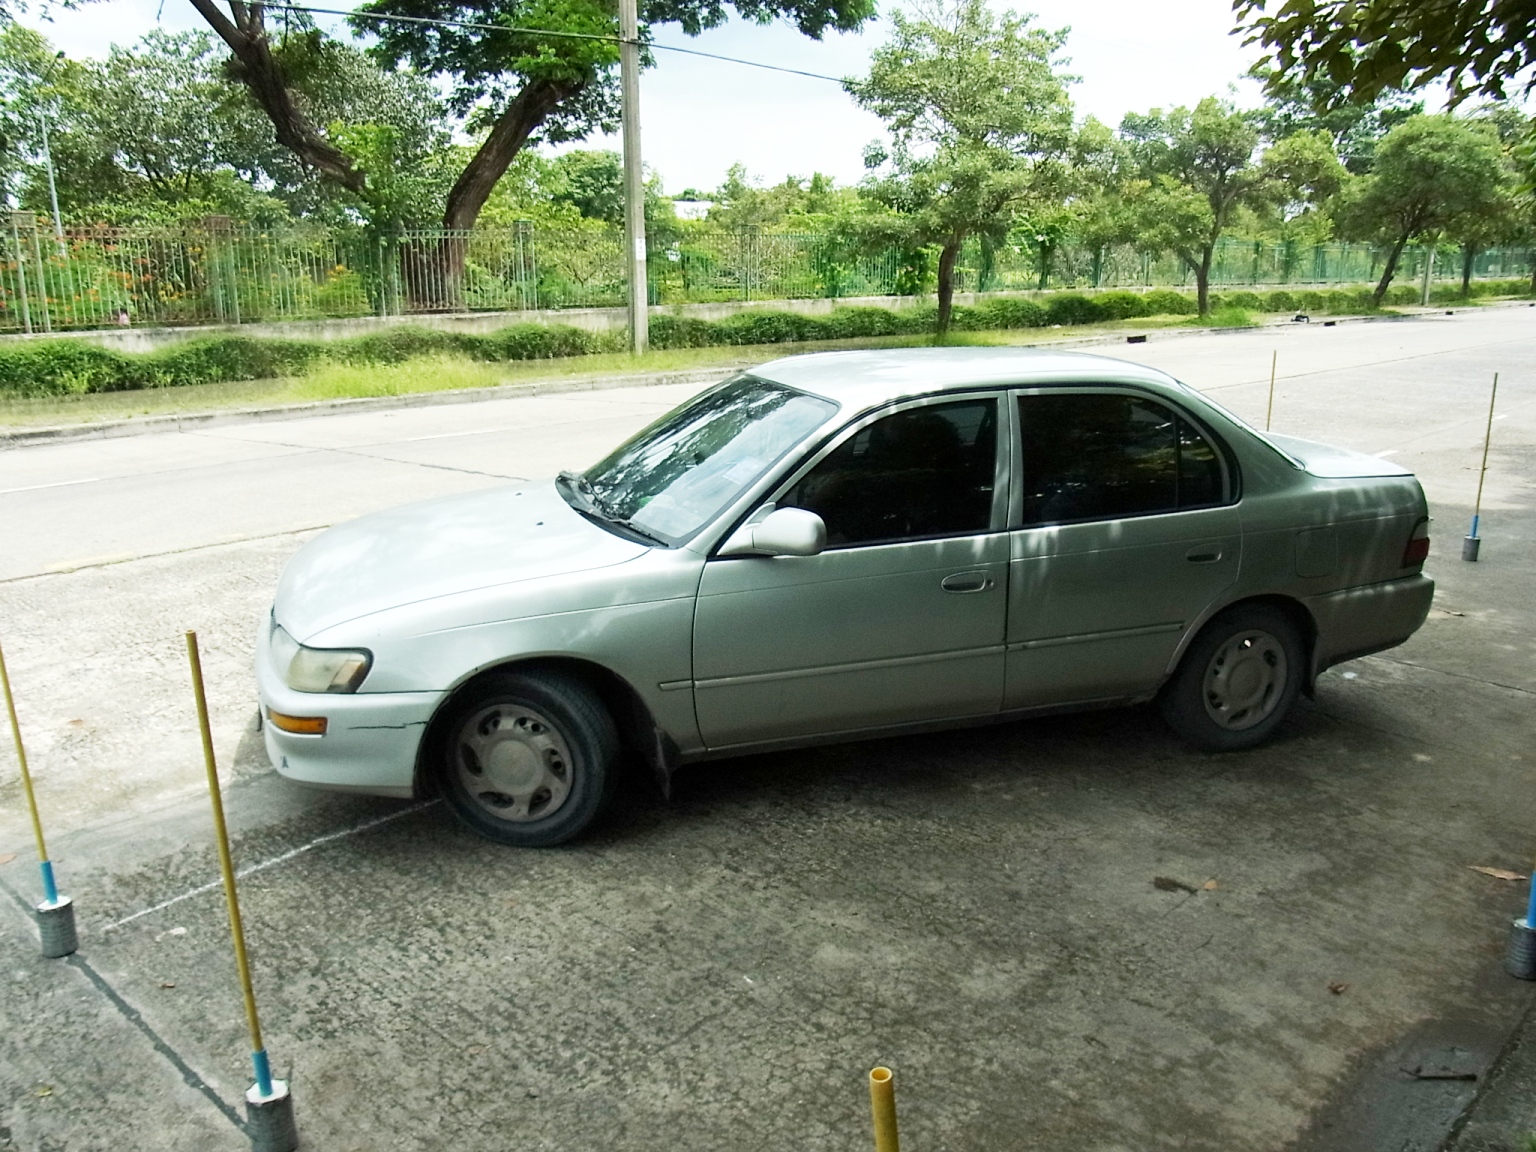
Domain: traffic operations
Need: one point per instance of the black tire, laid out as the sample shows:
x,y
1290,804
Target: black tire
x,y
1238,680
526,758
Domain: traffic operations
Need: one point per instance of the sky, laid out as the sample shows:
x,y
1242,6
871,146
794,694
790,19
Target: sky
x,y
701,116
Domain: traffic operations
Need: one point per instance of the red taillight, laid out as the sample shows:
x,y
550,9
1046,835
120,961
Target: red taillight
x,y
1418,545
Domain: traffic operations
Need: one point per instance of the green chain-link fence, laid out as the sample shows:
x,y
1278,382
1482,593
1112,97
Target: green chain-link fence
x,y
220,272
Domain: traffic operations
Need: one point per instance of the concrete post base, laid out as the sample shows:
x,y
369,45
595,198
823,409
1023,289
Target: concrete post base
x,y
56,924
269,1119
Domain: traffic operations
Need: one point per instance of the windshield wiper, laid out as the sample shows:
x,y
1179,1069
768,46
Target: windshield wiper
x,y
593,505
630,526
580,487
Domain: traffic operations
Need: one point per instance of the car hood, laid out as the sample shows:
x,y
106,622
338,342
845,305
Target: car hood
x,y
440,548
1329,463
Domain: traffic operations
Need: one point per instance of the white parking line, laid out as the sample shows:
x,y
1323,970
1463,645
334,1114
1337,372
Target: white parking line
x,y
272,863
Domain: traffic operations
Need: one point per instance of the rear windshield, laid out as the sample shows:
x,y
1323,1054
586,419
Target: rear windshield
x,y
676,476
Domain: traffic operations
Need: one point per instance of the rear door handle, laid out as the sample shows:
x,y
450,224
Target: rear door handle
x,y
966,582
1204,554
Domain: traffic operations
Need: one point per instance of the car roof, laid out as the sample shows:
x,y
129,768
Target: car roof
x,y
864,379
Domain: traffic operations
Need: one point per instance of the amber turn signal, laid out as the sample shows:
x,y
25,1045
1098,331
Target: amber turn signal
x,y
299,725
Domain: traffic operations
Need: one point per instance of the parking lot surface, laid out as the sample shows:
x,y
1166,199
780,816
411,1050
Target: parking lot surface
x,y
1064,933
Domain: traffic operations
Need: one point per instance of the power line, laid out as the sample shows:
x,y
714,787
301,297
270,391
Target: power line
x,y
472,25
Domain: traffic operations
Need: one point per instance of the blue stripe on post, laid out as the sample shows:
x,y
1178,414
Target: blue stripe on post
x,y
50,886
1530,907
263,1071
1473,533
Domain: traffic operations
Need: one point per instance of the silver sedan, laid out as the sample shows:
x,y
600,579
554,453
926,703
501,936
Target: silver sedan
x,y
831,547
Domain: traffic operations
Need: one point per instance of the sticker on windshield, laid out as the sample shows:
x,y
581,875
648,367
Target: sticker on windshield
x,y
744,470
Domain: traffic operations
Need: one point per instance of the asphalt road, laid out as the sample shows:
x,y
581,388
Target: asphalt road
x,y
976,909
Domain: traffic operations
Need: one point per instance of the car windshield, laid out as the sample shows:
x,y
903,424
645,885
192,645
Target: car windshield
x,y
670,480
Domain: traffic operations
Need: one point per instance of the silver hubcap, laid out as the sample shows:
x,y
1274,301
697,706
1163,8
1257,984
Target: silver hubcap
x,y
513,763
1244,680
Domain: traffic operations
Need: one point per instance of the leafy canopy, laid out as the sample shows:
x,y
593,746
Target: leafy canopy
x,y
1371,47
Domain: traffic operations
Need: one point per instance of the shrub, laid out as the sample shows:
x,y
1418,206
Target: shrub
x,y
763,327
1311,301
848,323
1248,300
1069,308
63,368
539,342
1122,305
1279,302
681,332
1165,303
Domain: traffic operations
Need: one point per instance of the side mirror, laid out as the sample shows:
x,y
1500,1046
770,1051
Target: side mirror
x,y
783,532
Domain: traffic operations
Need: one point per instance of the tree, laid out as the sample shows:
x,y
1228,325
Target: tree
x,y
980,124
1316,103
518,71
1203,165
1105,206
1369,47
1432,174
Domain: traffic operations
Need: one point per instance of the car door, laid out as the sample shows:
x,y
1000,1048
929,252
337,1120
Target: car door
x,y
1126,532
901,618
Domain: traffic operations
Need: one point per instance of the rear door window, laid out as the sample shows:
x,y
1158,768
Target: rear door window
x,y
1098,456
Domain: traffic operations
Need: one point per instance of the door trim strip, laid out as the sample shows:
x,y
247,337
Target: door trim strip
x,y
838,669
1088,637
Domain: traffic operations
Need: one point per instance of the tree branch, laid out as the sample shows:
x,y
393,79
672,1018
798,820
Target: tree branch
x,y
254,66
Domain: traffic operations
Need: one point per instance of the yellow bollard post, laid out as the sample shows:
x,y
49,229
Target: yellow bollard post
x,y
882,1106
268,1104
56,914
1472,543
1274,360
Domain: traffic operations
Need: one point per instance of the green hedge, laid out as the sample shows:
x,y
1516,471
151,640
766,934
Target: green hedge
x,y
65,367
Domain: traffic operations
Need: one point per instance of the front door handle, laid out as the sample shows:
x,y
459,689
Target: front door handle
x,y
1203,554
966,582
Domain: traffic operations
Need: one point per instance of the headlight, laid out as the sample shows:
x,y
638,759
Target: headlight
x,y
318,669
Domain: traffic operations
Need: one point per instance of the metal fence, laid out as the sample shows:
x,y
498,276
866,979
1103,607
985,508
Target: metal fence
x,y
218,272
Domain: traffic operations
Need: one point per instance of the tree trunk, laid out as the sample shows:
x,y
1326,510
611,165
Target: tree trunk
x,y
1468,255
1203,279
1388,272
527,111
434,276
254,67
947,256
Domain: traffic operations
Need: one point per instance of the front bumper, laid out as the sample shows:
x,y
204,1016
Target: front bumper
x,y
1358,621
371,738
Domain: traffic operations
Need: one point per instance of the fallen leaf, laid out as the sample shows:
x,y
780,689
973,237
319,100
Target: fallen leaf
x,y
1209,886
1338,987
166,984
45,1090
7,857
76,723
1169,884
1497,873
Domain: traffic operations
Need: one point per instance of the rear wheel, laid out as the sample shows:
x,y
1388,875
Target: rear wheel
x,y
527,758
1238,680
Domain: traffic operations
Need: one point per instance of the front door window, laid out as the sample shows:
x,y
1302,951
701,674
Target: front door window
x,y
914,475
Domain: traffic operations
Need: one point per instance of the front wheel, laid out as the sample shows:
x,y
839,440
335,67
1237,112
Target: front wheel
x,y
527,758
1238,680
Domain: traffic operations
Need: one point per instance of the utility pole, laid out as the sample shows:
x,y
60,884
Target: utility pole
x,y
634,186
53,191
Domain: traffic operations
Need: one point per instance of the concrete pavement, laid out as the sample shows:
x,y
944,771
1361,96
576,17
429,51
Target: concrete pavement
x,y
977,909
